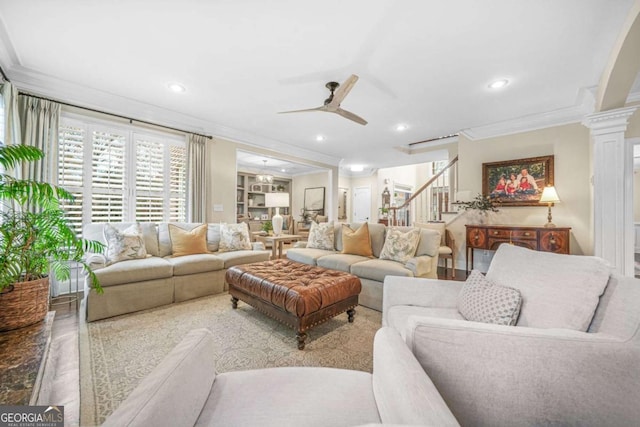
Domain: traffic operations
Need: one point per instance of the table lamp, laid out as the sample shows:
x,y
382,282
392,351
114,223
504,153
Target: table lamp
x,y
549,196
276,200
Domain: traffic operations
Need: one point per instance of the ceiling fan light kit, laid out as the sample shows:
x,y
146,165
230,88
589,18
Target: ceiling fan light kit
x,y
332,103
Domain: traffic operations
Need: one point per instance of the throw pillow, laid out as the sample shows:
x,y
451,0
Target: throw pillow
x,y
356,242
558,291
440,227
185,242
482,301
234,237
321,236
124,245
400,245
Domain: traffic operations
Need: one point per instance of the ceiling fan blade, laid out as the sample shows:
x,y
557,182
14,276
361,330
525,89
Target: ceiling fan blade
x,y
343,90
349,115
322,108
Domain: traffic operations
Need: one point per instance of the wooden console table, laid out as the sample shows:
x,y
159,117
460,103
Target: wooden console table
x,y
489,237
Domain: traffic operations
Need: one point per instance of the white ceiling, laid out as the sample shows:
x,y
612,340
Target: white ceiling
x,y
255,163
423,63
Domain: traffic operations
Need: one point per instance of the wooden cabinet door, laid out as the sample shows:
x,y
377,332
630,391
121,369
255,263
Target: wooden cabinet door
x,y
554,241
476,237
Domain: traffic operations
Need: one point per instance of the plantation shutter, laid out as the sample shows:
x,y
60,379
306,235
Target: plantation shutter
x,y
177,183
71,170
150,177
108,177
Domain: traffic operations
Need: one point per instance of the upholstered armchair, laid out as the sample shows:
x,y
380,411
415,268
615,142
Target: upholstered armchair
x,y
185,390
532,373
447,244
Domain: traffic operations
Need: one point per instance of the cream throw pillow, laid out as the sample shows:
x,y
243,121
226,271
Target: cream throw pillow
x,y
234,237
124,245
321,236
356,242
184,242
400,246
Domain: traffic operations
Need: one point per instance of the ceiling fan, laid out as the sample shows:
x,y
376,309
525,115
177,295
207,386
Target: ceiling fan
x,y
332,103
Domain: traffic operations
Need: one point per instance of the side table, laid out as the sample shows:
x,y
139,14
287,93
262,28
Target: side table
x,y
277,243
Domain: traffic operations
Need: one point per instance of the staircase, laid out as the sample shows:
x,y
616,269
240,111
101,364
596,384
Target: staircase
x,y
431,202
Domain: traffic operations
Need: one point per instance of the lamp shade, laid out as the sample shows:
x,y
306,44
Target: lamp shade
x,y
549,195
276,200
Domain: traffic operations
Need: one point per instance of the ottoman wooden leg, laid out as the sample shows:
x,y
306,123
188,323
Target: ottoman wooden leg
x,y
351,312
301,336
234,302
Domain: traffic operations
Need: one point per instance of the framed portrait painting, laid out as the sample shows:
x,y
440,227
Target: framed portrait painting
x,y
517,182
314,200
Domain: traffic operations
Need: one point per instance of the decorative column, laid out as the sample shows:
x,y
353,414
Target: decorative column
x,y
612,188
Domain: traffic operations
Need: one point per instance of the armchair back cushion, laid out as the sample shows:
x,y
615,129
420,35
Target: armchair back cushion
x,y
440,227
558,291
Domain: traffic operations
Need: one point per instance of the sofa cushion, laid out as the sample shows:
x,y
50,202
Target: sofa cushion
x,y
242,257
213,237
398,315
125,244
356,242
340,262
439,226
378,269
323,397
195,263
234,237
164,239
400,244
306,255
376,235
136,270
188,242
558,291
321,236
482,301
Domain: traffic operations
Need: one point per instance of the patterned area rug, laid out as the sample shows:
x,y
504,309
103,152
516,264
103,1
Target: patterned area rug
x,y
115,354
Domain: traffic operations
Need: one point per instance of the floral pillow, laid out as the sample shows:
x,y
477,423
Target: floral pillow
x,y
124,245
321,236
234,237
400,245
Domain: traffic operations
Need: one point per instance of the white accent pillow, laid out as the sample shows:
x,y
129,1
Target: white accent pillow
x,y
234,237
321,236
558,291
400,245
124,245
482,301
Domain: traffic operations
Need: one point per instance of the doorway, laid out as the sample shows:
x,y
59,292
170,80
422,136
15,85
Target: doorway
x,y
342,204
361,204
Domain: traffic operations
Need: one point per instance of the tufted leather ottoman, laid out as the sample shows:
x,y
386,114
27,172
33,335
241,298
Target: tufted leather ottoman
x,y
298,295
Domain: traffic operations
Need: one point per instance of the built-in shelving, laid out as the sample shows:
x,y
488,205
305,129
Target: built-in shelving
x,y
250,203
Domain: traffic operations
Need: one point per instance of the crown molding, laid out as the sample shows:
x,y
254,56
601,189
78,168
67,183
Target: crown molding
x,y
633,97
585,104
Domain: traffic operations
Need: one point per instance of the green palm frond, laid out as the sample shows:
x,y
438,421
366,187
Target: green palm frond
x,y
12,155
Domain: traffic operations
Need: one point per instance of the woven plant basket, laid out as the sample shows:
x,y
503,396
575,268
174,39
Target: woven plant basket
x,y
23,304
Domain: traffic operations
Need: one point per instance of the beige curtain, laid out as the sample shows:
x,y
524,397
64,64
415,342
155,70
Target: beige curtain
x,y
39,121
196,178
11,114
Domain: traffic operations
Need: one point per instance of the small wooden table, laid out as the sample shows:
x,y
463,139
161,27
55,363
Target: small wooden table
x,y
276,252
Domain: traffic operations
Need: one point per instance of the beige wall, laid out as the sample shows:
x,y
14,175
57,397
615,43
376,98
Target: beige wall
x,y
221,177
300,182
570,144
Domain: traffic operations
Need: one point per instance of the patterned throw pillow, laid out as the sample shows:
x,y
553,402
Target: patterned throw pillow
x,y
482,301
188,242
356,242
321,236
400,245
234,237
124,245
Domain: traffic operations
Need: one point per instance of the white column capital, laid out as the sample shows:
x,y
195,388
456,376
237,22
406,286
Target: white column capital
x,y
610,121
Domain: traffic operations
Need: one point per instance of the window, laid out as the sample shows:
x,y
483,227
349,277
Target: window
x,y
121,174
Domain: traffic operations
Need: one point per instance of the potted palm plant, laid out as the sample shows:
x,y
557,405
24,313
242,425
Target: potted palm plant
x,y
35,240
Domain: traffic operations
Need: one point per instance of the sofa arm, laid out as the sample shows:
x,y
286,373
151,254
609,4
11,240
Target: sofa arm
x,y
95,261
175,392
300,245
492,374
404,393
258,246
418,292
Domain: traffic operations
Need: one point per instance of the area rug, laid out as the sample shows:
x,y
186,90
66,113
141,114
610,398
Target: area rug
x,y
116,353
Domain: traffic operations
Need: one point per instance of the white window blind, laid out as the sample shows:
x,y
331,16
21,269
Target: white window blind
x,y
121,174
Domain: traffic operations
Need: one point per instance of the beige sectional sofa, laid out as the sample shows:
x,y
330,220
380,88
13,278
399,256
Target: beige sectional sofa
x,y
159,279
372,271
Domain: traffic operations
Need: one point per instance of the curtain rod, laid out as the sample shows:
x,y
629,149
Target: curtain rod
x,y
113,114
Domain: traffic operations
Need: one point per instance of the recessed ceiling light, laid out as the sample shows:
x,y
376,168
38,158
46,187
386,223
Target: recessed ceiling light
x,y
319,138
176,87
357,168
401,127
498,84
283,170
